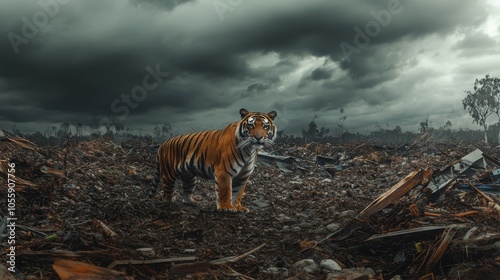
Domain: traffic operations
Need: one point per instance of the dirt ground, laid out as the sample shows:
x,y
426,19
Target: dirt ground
x,y
88,202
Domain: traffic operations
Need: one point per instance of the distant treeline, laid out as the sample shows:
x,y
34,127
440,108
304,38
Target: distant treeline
x,y
397,137
380,136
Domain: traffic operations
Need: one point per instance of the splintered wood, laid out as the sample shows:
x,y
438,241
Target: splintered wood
x,y
396,192
443,244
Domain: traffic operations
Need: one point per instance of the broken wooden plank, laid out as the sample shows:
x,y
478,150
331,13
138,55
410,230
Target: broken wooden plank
x,y
189,268
419,230
395,192
67,269
154,261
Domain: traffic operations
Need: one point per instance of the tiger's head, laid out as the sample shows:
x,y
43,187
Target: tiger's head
x,y
256,129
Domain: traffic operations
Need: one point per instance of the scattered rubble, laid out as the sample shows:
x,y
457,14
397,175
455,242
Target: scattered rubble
x,y
318,211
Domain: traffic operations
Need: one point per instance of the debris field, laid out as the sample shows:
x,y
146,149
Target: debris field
x,y
318,211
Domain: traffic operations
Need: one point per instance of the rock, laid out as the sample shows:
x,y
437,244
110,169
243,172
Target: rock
x,y
307,265
397,277
333,227
261,203
304,225
347,214
147,252
329,265
305,213
276,271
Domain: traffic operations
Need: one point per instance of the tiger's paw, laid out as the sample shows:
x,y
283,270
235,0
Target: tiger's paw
x,y
228,208
242,209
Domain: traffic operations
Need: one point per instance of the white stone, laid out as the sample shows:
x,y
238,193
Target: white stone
x,y
329,265
333,227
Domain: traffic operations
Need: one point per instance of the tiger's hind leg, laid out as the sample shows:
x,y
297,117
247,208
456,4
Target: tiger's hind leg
x,y
168,188
188,186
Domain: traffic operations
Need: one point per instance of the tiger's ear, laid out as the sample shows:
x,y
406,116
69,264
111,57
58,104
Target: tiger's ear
x,y
272,114
243,112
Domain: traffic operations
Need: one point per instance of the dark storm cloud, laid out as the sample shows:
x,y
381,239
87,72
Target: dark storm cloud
x,y
258,87
91,53
321,74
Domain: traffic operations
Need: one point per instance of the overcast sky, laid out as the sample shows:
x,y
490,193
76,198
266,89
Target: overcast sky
x,y
195,63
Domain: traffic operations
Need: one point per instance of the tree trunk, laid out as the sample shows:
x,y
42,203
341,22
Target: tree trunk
x,y
486,133
498,126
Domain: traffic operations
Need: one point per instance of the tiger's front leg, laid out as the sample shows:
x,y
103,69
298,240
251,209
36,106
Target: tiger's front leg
x,y
238,193
224,192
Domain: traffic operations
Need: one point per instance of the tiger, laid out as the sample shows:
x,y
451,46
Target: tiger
x,y
227,156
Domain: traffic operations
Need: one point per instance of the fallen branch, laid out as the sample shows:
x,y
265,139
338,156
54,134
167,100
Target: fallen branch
x,y
101,227
491,203
236,258
155,261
